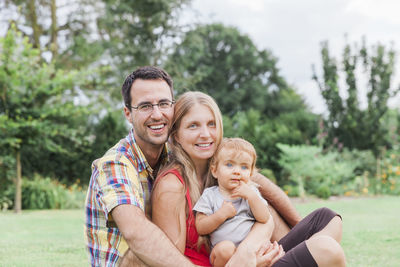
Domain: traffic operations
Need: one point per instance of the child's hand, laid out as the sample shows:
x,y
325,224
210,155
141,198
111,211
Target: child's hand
x,y
227,210
243,190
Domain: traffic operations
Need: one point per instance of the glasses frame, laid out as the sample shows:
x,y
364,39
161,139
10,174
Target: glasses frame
x,y
171,102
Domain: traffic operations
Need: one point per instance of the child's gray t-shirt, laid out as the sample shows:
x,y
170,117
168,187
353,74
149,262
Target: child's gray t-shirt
x,y
234,229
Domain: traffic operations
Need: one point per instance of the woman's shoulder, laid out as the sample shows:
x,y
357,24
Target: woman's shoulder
x,y
170,180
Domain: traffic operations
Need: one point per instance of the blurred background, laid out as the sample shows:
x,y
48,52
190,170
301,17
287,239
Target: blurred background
x,y
313,85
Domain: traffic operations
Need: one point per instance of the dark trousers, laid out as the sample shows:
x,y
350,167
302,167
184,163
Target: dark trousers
x,y
297,253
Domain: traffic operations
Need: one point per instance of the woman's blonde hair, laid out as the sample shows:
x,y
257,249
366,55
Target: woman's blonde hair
x,y
237,145
179,158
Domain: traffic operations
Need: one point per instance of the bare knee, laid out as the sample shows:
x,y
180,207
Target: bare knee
x,y
333,229
222,252
326,251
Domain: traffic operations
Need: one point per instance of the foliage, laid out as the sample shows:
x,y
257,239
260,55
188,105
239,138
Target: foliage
x,y
221,61
363,161
36,100
391,123
46,193
264,133
7,170
387,180
269,174
107,133
348,122
137,33
313,172
37,107
62,32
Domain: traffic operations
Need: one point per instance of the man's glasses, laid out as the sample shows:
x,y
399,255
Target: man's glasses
x,y
163,105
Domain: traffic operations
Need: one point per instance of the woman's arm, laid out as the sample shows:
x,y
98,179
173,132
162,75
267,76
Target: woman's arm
x,y
277,199
169,209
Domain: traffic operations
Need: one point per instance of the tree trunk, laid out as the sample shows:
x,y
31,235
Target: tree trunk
x,y
34,23
18,185
53,30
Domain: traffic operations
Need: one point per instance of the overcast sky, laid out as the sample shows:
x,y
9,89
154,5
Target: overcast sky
x,y
294,29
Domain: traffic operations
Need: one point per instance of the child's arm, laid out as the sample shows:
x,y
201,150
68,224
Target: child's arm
x,y
257,205
205,224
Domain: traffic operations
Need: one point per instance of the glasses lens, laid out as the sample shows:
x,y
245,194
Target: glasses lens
x,y
164,105
145,107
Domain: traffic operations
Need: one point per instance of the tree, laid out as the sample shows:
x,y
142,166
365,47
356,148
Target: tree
x,y
108,131
36,103
225,63
61,30
294,128
348,122
137,33
257,102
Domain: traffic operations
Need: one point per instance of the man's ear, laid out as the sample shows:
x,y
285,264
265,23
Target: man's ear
x,y
128,113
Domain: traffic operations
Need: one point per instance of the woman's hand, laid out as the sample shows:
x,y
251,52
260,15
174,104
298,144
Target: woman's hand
x,y
268,254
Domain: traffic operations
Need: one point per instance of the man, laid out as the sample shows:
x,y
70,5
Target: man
x,y
117,229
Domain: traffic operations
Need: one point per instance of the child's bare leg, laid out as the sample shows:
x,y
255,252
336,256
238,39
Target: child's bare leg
x,y
222,252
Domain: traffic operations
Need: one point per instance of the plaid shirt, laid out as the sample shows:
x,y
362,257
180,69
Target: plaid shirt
x,y
121,176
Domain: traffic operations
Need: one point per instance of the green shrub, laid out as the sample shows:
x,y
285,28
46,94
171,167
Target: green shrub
x,y
387,178
7,173
269,174
5,203
308,168
291,190
45,193
323,192
364,161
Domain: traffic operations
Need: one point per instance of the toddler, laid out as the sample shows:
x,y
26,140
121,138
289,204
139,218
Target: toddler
x,y
227,211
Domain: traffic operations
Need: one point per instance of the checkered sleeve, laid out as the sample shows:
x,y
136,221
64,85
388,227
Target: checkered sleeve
x,y
119,183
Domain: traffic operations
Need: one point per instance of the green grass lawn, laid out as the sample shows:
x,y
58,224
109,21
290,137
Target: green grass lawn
x,y
371,229
371,234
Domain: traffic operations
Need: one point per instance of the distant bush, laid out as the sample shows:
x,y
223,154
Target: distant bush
x,y
387,178
45,193
5,203
269,174
323,192
7,173
311,171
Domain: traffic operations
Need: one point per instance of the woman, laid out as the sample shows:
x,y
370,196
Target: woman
x,y
196,133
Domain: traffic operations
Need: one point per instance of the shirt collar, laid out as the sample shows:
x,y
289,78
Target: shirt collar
x,y
141,159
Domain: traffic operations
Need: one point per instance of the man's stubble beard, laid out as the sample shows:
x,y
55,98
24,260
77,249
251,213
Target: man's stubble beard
x,y
144,135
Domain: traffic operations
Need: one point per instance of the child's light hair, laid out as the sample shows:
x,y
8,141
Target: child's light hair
x,y
238,145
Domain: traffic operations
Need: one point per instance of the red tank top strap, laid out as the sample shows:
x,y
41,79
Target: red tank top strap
x,y
178,174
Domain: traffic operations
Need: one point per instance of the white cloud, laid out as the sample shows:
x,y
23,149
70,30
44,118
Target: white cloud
x,y
386,10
